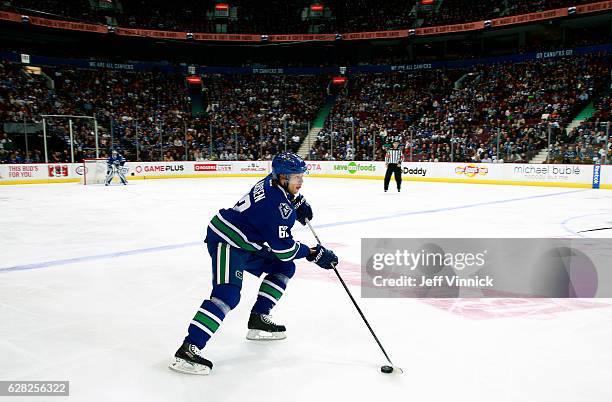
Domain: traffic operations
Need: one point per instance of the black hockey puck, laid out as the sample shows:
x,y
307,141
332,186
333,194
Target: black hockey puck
x,y
386,369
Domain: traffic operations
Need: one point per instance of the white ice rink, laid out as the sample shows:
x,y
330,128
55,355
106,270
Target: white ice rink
x,y
98,285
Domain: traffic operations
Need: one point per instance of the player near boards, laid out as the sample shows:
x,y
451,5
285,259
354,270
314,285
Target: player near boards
x,y
393,162
253,236
114,165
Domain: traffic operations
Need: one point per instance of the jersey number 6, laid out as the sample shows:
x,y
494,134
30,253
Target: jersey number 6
x,y
282,232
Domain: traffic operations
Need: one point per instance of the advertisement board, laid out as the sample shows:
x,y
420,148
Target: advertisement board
x,y
357,168
40,173
159,169
571,175
583,176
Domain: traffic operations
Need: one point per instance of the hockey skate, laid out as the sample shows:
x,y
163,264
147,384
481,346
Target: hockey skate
x,y
187,360
262,328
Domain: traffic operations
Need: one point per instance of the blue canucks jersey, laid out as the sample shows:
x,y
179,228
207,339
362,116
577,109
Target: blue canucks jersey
x,y
264,215
115,159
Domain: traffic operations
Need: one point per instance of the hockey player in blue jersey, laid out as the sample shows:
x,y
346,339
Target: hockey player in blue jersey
x,y
114,165
254,236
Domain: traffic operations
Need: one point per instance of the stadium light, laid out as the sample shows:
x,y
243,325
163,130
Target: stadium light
x,y
194,80
316,8
338,80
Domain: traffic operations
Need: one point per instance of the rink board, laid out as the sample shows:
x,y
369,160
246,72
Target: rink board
x,y
573,176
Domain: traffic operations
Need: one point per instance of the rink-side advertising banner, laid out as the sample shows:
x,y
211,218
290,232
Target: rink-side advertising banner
x,y
41,173
508,268
197,169
522,174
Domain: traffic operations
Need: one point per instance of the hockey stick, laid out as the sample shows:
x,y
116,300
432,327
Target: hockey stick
x,y
385,369
593,230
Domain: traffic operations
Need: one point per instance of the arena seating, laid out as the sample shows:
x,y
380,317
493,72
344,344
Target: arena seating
x,y
509,99
148,115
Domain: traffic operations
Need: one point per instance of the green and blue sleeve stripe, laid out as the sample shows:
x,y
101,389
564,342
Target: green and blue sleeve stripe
x,y
232,234
298,250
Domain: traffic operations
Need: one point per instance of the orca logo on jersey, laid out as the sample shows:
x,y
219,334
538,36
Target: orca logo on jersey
x,y
285,210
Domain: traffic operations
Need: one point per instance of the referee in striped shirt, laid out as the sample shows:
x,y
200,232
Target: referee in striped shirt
x,y
393,163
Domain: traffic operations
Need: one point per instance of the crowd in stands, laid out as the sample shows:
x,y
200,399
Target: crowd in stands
x,y
588,142
280,17
500,112
54,9
459,11
530,6
263,115
113,97
148,115
439,117
275,17
374,107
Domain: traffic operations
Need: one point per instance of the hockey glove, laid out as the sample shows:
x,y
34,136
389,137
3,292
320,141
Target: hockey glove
x,y
302,209
266,253
323,257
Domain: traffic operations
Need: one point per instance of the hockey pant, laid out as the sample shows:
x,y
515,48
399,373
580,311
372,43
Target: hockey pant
x,y
228,265
111,171
396,169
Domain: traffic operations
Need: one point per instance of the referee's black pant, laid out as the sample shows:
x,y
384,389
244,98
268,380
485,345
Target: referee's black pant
x,y
393,168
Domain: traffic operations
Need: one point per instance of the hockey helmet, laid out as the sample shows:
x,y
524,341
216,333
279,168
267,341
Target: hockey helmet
x,y
287,163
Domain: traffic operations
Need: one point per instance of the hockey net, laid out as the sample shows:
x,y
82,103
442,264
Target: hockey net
x,y
94,171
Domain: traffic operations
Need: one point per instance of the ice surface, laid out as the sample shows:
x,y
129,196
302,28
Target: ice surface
x,y
97,286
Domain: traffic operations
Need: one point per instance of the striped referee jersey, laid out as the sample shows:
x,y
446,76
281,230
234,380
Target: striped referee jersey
x,y
394,155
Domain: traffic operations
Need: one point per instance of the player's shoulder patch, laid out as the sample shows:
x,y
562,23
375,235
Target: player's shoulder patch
x,y
285,210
